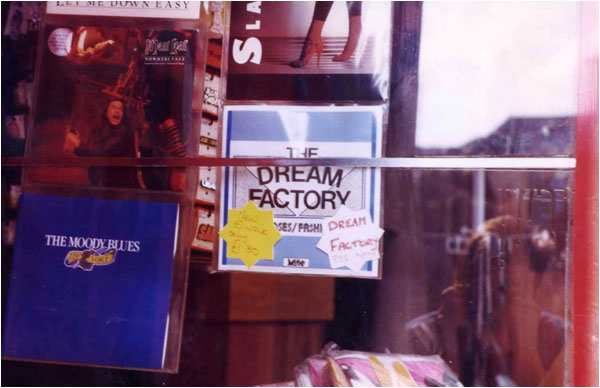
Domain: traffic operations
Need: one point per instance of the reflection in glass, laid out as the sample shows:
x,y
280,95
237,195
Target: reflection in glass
x,y
476,270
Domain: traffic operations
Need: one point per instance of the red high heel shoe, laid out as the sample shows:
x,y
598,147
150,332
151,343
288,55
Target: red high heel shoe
x,y
355,28
311,47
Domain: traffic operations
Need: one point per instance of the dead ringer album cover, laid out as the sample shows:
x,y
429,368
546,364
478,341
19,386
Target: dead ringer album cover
x,y
114,92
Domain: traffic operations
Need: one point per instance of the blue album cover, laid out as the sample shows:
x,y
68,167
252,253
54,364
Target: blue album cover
x,y
91,281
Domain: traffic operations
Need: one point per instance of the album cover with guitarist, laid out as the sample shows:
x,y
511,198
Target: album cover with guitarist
x,y
109,92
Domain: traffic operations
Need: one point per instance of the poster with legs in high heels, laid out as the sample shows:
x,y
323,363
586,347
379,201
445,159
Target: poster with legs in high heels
x,y
309,51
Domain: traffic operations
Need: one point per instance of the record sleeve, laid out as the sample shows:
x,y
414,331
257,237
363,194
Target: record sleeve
x,y
108,88
108,91
87,287
308,51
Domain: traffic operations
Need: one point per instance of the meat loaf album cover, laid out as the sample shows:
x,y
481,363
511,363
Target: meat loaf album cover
x,y
114,92
309,51
91,292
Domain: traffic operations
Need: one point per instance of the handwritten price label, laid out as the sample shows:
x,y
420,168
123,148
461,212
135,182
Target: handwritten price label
x,y
250,234
350,238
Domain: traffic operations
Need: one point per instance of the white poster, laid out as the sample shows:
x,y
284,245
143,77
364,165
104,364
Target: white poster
x,y
301,196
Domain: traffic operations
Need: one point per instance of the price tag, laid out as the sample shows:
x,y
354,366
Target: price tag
x,y
250,234
350,238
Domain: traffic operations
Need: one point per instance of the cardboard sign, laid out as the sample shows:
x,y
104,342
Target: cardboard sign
x,y
250,234
300,197
350,239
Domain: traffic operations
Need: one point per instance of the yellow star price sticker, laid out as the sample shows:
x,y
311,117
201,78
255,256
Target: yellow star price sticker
x,y
250,234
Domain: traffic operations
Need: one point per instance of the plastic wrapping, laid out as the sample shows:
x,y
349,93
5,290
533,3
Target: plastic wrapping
x,y
334,367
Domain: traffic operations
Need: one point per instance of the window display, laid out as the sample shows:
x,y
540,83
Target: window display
x,y
311,194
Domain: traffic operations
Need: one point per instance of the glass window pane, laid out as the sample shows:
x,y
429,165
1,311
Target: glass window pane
x,y
476,269
497,78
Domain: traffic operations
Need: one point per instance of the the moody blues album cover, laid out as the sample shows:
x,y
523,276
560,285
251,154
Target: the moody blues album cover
x,y
308,51
91,281
114,92
300,197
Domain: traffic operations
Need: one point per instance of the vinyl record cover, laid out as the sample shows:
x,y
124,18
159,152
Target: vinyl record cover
x,y
300,197
113,92
309,51
91,281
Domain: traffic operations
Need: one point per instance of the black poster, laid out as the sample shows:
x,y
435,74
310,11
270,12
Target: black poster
x,y
309,51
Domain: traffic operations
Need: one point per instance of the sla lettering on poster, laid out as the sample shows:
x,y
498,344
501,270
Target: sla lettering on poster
x,y
91,243
350,239
251,48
